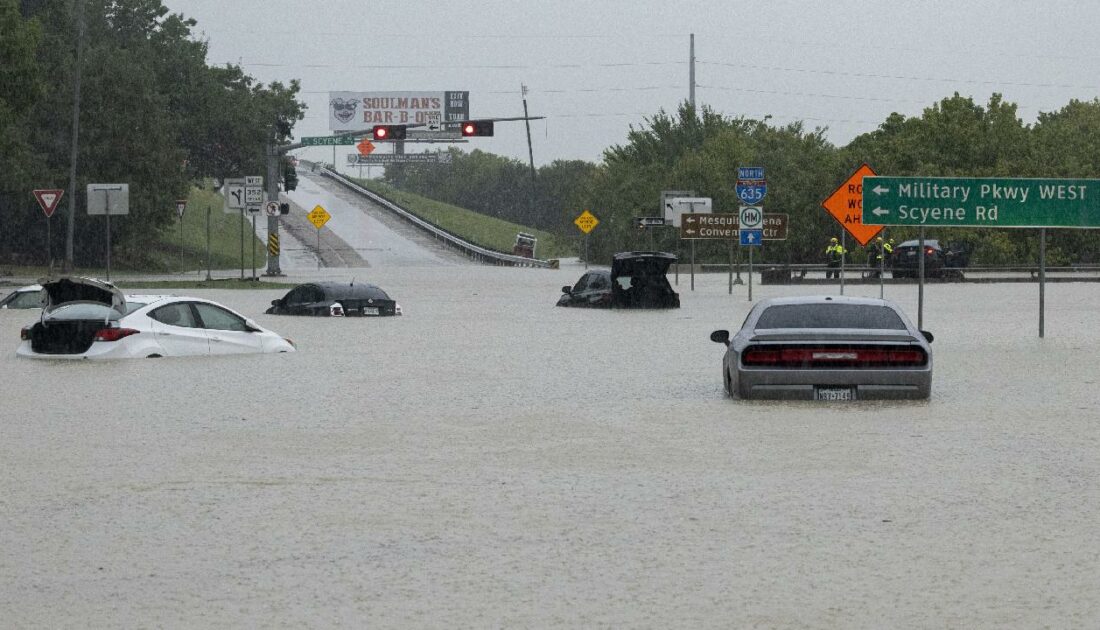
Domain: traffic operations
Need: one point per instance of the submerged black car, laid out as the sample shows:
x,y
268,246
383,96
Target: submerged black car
x,y
336,299
938,261
635,280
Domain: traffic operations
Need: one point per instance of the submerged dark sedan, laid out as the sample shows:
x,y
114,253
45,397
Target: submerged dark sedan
x,y
635,280
336,299
826,348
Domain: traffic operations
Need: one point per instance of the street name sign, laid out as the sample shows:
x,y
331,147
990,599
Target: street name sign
x,y
401,158
699,226
586,222
775,226
318,216
982,202
846,206
752,238
751,217
48,199
328,141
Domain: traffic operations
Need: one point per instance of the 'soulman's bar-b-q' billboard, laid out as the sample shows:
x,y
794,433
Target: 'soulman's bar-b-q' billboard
x,y
354,111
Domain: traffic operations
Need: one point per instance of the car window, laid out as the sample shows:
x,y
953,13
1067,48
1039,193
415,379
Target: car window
x,y
83,311
298,296
865,316
217,318
30,299
178,314
582,283
599,281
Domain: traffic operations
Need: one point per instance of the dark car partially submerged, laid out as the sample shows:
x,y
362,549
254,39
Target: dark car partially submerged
x,y
635,280
336,299
938,261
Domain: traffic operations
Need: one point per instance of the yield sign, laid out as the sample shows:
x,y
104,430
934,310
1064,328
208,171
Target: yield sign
x,y
846,206
365,147
48,199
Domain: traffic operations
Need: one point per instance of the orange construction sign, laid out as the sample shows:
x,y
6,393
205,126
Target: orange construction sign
x,y
846,206
365,146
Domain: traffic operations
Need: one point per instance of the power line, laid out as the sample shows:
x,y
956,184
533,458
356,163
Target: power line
x,y
903,77
264,64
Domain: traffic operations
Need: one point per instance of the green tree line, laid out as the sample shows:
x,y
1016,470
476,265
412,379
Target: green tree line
x,y
153,114
700,150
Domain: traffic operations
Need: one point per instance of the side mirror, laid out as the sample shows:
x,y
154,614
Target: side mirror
x,y
276,302
251,326
927,335
721,336
567,290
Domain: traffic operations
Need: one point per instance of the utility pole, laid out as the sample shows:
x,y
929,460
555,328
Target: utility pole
x,y
71,221
691,73
530,151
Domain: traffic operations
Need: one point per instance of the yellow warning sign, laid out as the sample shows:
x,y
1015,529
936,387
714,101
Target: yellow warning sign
x,y
586,222
318,217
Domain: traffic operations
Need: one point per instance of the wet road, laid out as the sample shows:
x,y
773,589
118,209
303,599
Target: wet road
x,y
371,231
489,460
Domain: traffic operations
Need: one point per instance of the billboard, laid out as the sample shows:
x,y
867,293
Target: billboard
x,y
354,111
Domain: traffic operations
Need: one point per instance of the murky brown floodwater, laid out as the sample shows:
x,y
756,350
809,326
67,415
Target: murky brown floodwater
x,y
489,460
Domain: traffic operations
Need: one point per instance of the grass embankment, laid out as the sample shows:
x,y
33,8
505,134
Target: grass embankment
x,y
225,238
477,228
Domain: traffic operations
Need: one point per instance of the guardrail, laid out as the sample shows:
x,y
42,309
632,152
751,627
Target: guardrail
x,y
476,252
780,273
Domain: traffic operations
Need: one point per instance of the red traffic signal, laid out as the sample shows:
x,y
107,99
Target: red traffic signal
x,y
389,132
477,128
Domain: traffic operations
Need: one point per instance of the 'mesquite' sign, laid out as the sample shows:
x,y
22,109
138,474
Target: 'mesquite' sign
x,y
352,111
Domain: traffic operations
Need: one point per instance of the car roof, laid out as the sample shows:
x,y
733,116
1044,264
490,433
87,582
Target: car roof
x,y
147,299
824,299
631,255
28,289
345,290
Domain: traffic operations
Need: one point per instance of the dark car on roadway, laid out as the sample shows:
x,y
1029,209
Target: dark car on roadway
x,y
938,262
336,299
635,280
826,348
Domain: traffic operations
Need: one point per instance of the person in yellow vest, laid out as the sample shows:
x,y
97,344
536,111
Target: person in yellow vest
x,y
878,256
833,253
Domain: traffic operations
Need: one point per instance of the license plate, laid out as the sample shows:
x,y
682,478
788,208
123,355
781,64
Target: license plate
x,y
834,393
370,310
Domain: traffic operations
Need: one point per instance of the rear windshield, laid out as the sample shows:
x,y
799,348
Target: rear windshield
x,y
830,316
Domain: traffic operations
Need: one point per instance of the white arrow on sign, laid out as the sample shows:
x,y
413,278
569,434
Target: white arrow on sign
x,y
878,190
878,212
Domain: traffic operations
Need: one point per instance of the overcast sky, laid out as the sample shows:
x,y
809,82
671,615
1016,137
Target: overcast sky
x,y
596,67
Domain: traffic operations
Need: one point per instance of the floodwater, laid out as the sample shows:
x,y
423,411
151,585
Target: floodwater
x,y
489,460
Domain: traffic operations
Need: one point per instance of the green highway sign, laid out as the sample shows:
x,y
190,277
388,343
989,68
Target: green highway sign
x,y
981,202
328,141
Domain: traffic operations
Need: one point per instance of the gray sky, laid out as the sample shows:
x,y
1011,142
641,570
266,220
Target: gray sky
x,y
594,68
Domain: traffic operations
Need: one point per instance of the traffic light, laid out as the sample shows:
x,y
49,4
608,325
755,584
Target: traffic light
x,y
477,128
389,132
284,208
290,176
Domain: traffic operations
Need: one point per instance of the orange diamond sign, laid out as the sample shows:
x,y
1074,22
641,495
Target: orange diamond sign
x,y
846,206
365,147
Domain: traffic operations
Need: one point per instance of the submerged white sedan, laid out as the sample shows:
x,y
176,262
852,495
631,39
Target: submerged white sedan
x,y
85,318
827,348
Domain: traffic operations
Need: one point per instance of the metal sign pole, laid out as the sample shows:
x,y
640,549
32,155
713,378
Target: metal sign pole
x,y
843,254
107,207
882,269
738,279
586,250
181,243
318,249
730,247
253,246
242,243
920,289
692,264
49,254
680,255
208,278
750,272
1042,280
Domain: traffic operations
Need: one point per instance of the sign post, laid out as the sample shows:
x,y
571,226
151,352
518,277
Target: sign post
x,y
115,200
181,206
48,199
318,217
586,222
846,206
667,210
